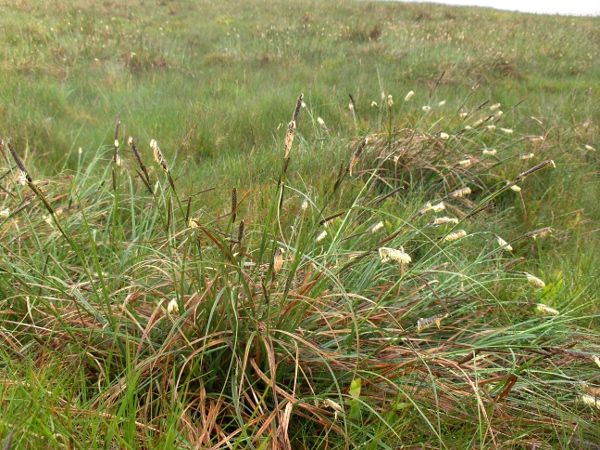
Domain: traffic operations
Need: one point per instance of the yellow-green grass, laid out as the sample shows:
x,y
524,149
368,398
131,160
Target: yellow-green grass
x,y
135,317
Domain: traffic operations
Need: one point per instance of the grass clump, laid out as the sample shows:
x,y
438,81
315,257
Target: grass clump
x,y
356,315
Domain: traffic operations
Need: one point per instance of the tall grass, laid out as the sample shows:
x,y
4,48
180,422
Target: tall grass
x,y
386,305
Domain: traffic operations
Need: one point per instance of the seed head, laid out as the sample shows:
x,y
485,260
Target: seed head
x,y
173,308
390,101
455,235
489,151
515,188
506,130
591,400
590,148
437,320
444,136
158,156
491,127
443,220
460,192
409,96
387,254
442,103
526,156
321,121
438,207
289,138
378,226
546,310
464,163
304,205
495,106
374,104
321,236
4,213
505,245
350,106
534,281
426,108
278,260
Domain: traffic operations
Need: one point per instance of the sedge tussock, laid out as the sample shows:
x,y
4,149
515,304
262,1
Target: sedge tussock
x,y
544,309
455,235
387,254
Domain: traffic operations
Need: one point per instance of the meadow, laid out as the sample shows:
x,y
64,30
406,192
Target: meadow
x,y
298,225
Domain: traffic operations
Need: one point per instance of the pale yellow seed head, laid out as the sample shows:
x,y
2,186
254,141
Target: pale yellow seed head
x,y
409,96
442,103
465,163
374,104
321,236
506,130
455,235
527,156
390,101
444,220
590,148
173,308
387,254
495,106
426,108
491,127
489,151
4,213
505,245
378,226
321,121
515,188
535,281
438,207
546,310
460,192
444,136
591,400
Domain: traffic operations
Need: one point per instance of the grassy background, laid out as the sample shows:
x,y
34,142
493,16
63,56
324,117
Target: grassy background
x,y
92,358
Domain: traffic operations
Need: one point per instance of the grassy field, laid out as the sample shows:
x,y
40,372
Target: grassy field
x,y
366,225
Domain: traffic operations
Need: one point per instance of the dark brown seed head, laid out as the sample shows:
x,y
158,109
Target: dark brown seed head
x,y
19,162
